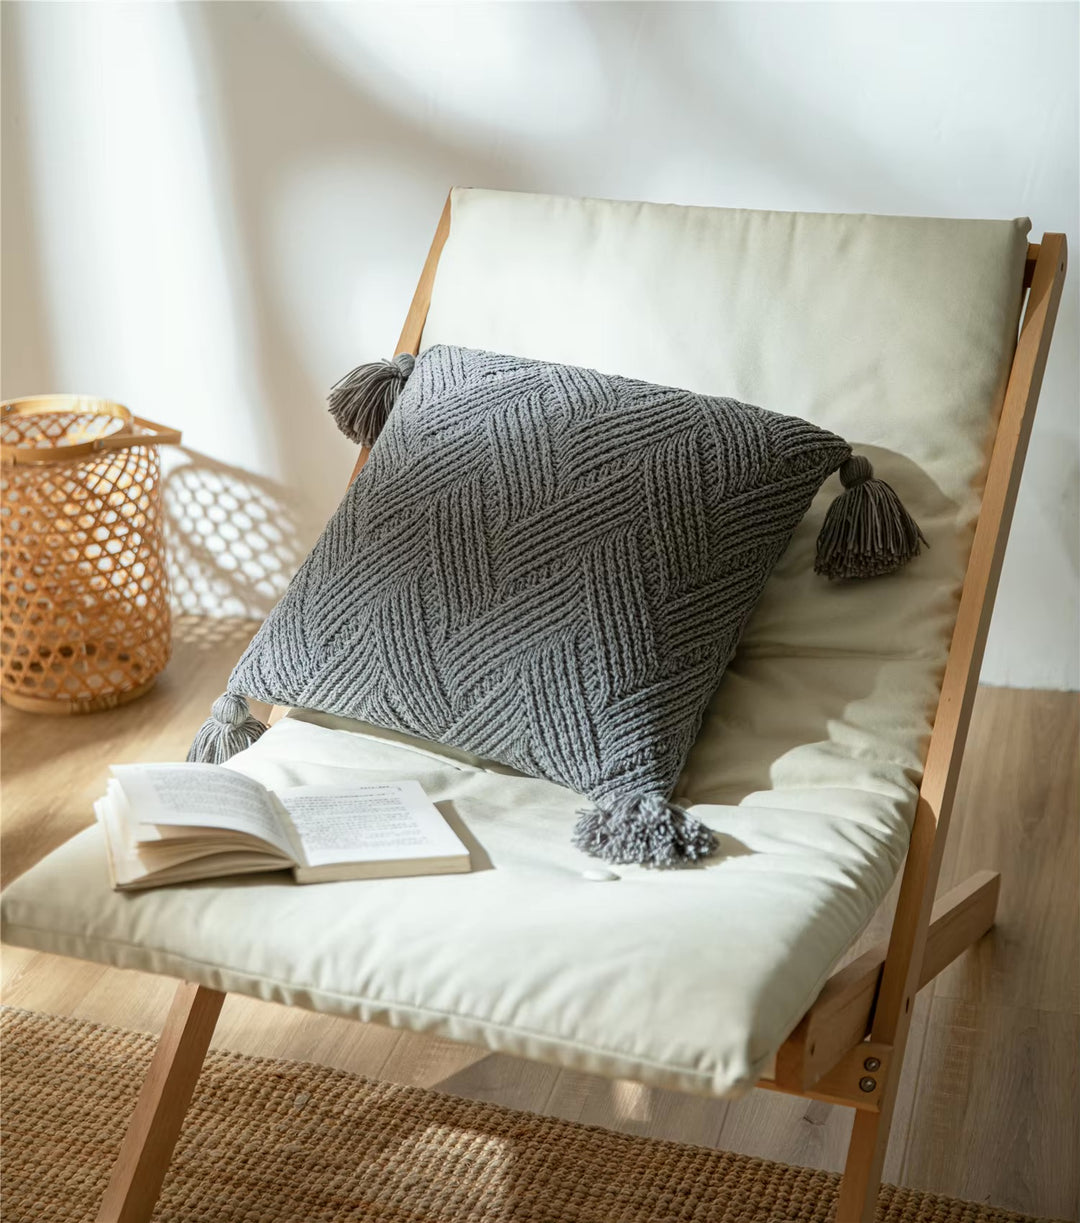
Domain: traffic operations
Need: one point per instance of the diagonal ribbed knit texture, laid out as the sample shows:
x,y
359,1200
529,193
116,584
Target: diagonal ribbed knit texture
x,y
548,567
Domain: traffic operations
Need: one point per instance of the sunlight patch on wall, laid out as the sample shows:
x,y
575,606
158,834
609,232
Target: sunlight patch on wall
x,y
459,64
135,275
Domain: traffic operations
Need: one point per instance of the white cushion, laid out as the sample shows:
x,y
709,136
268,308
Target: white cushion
x,y
897,334
687,979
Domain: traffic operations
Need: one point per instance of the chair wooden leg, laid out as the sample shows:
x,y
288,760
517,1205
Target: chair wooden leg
x,y
861,1181
144,1156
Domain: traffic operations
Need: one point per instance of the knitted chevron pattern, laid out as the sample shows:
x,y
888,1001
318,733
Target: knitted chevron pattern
x,y
548,567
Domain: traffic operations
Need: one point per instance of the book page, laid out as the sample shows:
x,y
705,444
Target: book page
x,y
202,796
368,823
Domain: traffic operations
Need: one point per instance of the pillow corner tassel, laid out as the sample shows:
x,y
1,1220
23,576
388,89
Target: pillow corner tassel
x,y
361,401
867,531
229,729
644,830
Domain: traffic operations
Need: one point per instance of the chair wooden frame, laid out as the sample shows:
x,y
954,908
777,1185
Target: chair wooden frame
x,y
849,1047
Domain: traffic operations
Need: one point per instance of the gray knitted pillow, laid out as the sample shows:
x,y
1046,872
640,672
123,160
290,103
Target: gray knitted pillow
x,y
549,567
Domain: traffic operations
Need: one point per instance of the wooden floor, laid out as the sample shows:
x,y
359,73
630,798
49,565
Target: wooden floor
x,y
988,1107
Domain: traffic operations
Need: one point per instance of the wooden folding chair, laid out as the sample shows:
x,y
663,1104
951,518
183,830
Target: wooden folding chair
x,y
849,1047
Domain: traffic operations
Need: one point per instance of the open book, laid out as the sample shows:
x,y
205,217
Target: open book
x,y
173,823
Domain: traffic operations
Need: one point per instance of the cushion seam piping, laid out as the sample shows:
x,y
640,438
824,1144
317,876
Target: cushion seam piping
x,y
13,927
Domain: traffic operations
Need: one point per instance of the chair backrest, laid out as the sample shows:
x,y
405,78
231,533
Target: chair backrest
x,y
899,333
895,332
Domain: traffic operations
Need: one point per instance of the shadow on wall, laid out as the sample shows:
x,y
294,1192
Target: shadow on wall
x,y
302,146
234,539
330,154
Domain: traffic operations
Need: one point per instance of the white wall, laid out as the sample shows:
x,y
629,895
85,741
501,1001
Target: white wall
x,y
211,211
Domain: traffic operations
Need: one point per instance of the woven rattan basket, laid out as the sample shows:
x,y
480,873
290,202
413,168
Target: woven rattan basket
x,y
85,600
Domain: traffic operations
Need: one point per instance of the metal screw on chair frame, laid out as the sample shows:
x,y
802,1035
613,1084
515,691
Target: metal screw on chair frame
x,y
872,1063
867,1084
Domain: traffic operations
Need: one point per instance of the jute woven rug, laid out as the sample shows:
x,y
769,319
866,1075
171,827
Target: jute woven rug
x,y
270,1142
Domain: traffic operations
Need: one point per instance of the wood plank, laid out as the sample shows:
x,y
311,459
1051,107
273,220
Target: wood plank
x,y
13,963
54,768
959,919
959,685
789,1129
838,1020
413,329
427,1061
1022,820
911,1075
816,1134
299,1035
858,1079
121,998
841,1016
995,1117
1029,263
497,1078
632,1108
52,984
900,977
159,1113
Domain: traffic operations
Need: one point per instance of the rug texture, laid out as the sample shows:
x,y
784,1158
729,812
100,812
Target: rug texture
x,y
272,1141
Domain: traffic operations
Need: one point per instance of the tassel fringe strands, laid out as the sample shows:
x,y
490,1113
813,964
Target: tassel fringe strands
x,y
362,400
228,730
867,531
645,829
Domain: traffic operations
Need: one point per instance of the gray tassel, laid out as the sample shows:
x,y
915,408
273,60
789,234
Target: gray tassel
x,y
228,730
361,401
867,531
645,829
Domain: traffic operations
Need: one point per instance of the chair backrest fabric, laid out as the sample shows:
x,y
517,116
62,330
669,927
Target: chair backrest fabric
x,y
895,332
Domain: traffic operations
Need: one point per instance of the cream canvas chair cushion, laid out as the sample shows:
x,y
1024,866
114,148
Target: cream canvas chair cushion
x,y
896,334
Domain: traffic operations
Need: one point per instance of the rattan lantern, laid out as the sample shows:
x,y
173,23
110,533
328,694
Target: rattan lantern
x,y
84,599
